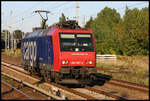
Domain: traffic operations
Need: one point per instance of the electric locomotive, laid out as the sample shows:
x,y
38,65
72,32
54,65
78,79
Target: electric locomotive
x,y
63,53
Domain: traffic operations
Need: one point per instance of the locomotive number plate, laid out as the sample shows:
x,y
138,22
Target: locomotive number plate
x,y
78,62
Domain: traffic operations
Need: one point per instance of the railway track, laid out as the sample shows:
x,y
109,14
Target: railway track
x,y
125,84
106,93
9,92
112,81
98,94
87,93
57,91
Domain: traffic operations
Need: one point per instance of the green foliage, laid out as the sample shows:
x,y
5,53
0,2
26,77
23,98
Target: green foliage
x,y
15,54
18,34
62,18
88,24
3,34
124,36
135,39
103,27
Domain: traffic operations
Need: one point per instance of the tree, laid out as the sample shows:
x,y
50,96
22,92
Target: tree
x,y
126,36
3,34
103,27
62,18
18,34
88,24
136,32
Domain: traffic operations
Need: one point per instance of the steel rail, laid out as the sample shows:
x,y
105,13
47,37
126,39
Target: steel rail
x,y
34,87
128,86
106,93
131,83
16,89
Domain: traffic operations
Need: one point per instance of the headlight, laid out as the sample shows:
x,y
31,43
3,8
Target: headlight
x,y
89,62
64,62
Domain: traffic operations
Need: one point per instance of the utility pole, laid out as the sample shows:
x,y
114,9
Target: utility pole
x,y
77,12
83,20
8,38
15,43
11,32
5,41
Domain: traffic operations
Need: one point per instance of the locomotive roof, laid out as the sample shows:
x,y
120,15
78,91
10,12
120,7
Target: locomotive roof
x,y
37,33
71,24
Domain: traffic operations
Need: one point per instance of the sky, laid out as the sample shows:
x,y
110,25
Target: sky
x,y
19,14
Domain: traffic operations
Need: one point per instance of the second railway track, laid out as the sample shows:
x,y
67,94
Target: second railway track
x,y
126,84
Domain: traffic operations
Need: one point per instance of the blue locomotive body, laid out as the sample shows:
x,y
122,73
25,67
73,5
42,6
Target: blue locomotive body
x,y
37,49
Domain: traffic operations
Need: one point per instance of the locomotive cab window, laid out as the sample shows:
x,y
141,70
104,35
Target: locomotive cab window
x,y
76,42
84,40
67,40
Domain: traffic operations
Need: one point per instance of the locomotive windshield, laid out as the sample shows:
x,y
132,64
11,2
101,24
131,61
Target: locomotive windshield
x,y
76,42
67,40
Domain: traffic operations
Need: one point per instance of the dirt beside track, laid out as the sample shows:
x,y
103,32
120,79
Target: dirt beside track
x,y
11,60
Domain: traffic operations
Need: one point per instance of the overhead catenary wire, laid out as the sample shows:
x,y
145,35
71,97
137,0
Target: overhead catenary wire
x,y
59,6
33,15
131,5
29,9
56,8
53,6
120,8
24,18
55,12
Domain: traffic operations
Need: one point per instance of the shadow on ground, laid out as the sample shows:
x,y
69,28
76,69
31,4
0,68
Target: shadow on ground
x,y
101,80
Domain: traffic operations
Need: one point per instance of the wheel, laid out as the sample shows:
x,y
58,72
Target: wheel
x,y
31,70
92,77
45,77
25,67
57,78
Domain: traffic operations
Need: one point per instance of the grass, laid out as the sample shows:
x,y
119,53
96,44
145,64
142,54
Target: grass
x,y
137,65
5,77
16,53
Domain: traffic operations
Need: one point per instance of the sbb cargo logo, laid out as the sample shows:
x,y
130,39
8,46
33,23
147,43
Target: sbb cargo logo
x,y
30,50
